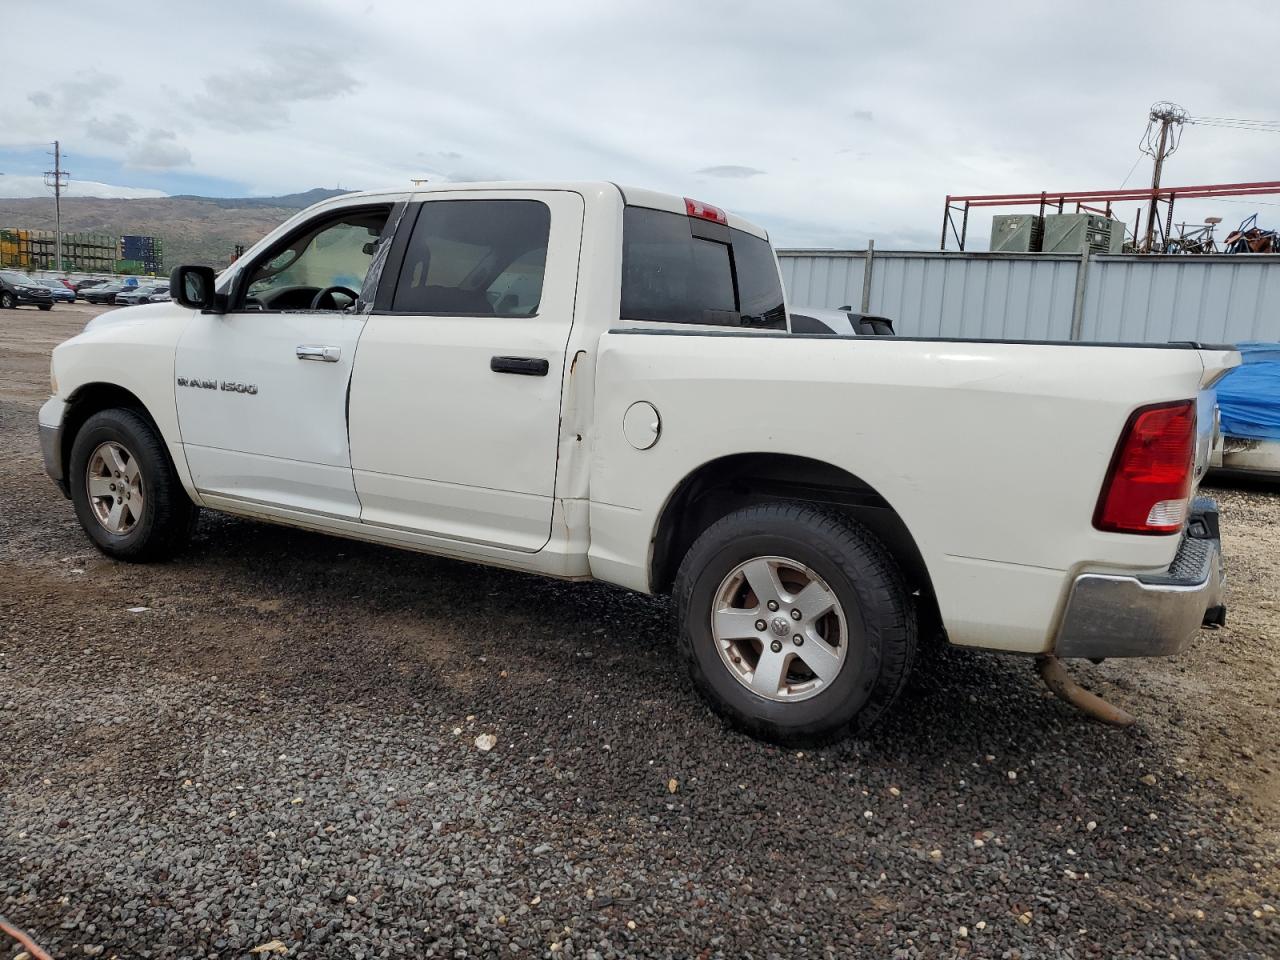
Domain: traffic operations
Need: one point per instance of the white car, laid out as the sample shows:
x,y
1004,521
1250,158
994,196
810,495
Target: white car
x,y
594,382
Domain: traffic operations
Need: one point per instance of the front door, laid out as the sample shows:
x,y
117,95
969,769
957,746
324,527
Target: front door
x,y
455,398
262,389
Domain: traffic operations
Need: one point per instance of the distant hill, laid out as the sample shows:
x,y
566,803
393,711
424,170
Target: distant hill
x,y
292,201
194,229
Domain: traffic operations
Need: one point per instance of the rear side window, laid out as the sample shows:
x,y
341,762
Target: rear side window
x,y
475,258
678,269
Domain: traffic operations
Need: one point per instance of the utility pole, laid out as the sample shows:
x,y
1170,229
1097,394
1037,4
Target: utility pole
x,y
1159,145
57,179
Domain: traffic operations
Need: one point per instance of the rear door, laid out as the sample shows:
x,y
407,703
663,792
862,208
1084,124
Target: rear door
x,y
455,397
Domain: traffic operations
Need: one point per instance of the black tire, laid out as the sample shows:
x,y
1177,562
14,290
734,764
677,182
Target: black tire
x,y
865,579
45,306
168,515
6,300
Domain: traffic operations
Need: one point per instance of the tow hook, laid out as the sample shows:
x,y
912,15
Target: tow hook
x,y
1056,678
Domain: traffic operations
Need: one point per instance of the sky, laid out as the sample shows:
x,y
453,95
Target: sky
x,y
828,123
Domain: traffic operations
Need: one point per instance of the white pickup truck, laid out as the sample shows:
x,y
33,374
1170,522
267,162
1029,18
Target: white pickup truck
x,y
594,382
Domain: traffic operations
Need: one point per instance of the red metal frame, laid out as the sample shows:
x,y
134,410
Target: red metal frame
x,y
1081,198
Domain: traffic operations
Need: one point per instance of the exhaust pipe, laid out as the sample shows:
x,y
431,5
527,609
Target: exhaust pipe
x,y
1056,678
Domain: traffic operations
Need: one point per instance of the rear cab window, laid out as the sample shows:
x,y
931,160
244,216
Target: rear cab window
x,y
685,269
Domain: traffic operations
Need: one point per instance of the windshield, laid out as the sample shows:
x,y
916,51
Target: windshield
x,y
14,277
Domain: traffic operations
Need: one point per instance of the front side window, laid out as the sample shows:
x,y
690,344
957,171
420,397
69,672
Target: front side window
x,y
475,258
320,268
670,274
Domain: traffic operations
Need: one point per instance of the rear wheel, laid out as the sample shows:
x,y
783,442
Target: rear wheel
x,y
795,622
127,496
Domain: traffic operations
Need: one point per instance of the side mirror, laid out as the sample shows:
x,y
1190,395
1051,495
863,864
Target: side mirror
x,y
193,287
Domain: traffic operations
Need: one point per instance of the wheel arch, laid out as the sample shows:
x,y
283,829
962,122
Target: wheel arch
x,y
729,483
90,398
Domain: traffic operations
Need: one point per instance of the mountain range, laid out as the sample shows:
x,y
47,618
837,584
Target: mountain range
x,y
194,229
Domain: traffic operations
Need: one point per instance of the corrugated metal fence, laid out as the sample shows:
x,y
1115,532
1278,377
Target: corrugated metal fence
x,y
1044,296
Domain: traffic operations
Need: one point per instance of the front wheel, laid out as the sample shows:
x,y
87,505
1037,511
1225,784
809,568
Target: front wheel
x,y
6,300
795,622
127,495
45,306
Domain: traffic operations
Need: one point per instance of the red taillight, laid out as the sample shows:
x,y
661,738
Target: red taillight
x,y
705,211
1148,488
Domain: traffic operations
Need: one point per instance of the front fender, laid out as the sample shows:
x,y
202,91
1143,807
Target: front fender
x,y
131,356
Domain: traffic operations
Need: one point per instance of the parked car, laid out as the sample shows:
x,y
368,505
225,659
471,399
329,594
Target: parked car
x,y
17,289
638,411
81,285
843,321
61,292
142,293
106,292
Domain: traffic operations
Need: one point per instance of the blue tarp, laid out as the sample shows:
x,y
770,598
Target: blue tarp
x,y
1249,396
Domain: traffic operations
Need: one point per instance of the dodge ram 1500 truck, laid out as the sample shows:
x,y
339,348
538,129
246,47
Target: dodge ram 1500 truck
x,y
587,381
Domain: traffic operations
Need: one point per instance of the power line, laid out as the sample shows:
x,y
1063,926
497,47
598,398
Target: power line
x,y
1237,123
1231,120
1125,181
1251,203
1234,126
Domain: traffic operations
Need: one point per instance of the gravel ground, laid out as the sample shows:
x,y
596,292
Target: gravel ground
x,y
280,751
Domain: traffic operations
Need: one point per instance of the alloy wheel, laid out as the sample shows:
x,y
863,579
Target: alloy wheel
x,y
113,480
779,628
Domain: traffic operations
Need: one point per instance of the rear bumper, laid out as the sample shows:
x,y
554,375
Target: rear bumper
x,y
1149,614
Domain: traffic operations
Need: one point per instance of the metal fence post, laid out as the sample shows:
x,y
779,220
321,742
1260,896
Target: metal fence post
x,y
1077,308
866,276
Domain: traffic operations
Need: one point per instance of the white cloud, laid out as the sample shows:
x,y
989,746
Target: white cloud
x,y
731,171
258,97
117,129
30,186
65,97
158,150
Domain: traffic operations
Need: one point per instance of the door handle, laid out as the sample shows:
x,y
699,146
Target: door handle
x,y
524,366
323,354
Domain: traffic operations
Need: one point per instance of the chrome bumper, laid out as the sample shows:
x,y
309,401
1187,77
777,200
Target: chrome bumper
x,y
1150,614
50,422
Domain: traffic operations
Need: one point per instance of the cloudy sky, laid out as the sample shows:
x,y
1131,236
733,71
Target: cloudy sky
x,y
827,122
